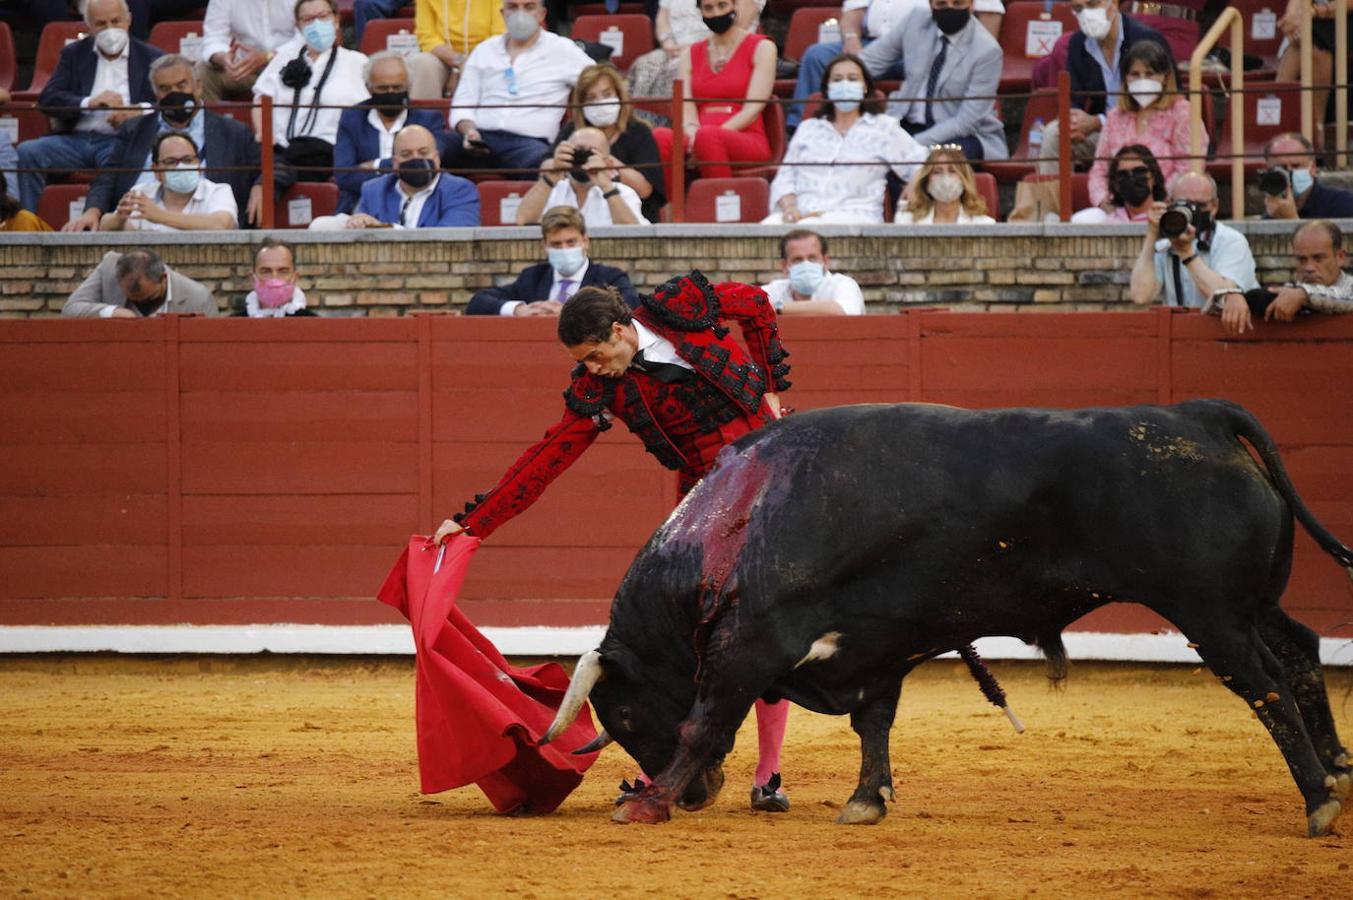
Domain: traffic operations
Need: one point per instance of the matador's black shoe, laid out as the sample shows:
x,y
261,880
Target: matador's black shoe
x,y
768,797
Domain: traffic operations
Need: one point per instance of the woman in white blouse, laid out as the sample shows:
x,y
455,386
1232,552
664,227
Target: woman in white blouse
x,y
836,168
179,198
944,192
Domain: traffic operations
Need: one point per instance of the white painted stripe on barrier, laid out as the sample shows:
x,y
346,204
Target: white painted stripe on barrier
x,y
1166,647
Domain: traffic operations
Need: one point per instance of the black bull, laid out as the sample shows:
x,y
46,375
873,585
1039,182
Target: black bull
x,y
826,556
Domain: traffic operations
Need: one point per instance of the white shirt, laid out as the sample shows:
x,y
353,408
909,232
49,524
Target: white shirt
x,y
386,136
856,188
1228,255
841,288
510,307
261,24
416,201
882,15
596,209
904,217
344,88
656,348
543,73
209,197
109,75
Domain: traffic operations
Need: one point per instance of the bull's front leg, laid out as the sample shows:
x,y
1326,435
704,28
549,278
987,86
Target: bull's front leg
x,y
872,723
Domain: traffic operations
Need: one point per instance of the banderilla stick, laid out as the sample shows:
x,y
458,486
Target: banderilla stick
x,y
991,688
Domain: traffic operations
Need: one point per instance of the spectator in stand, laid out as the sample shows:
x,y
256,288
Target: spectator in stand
x,y
1206,260
944,192
736,69
315,76
366,133
849,128
861,22
146,13
276,294
448,31
1135,183
543,289
601,100
579,175
1305,197
677,26
511,93
1093,58
1322,12
13,217
178,199
230,155
136,284
1149,111
946,54
809,287
98,84
239,39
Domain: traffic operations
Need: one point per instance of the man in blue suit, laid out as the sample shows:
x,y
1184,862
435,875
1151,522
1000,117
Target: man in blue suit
x,y
366,132
543,289
418,194
95,79
230,153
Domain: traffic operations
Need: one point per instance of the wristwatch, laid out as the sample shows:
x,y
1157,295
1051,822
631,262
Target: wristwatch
x,y
613,192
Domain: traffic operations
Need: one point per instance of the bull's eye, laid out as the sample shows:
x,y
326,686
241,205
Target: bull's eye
x,y
624,713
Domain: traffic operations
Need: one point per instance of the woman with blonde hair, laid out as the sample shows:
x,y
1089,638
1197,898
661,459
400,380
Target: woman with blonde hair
x,y
945,192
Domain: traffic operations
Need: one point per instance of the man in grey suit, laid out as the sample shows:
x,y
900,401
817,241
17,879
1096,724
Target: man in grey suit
x,y
946,54
136,284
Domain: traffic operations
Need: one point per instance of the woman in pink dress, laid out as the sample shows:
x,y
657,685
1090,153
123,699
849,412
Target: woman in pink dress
x,y
1149,112
734,70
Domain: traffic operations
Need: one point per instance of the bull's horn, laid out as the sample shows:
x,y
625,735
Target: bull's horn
x,y
585,676
595,744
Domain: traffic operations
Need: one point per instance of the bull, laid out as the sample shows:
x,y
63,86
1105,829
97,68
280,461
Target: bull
x,y
826,556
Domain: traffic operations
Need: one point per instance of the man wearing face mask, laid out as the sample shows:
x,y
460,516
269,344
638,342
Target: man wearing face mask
x,y
366,133
98,84
136,284
240,38
809,287
506,110
1303,197
1191,267
417,194
230,155
276,294
543,289
578,176
178,199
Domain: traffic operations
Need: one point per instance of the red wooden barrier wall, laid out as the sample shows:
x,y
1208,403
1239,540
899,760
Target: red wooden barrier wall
x,y
231,471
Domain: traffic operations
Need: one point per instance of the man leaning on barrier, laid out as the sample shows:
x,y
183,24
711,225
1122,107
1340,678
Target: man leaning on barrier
x,y
135,285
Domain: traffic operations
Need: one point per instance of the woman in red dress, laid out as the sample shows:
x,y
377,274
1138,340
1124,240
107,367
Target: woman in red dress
x,y
734,66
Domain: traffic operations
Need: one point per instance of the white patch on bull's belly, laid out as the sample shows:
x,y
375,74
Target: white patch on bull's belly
x,y
823,648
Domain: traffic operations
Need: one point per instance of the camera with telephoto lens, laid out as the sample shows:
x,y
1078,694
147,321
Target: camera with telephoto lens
x,y
1178,217
1275,181
580,156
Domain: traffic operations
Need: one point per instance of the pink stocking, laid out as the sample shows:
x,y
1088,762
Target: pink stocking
x,y
771,719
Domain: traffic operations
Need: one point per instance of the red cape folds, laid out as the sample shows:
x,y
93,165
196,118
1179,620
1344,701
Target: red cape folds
x,y
479,718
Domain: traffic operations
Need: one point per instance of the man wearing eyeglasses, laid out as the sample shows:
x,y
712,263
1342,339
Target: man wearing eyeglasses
x,y
512,93
178,199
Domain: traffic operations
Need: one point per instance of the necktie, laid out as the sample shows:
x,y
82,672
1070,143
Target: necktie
x,y
564,285
669,373
404,210
934,78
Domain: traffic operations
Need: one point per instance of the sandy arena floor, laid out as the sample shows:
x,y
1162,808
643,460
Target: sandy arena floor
x,y
263,777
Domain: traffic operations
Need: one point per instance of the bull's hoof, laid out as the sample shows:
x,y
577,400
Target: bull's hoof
x,y
862,812
702,793
1318,823
645,810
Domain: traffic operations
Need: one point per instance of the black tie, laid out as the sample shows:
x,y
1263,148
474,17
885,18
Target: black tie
x,y
669,373
404,210
934,79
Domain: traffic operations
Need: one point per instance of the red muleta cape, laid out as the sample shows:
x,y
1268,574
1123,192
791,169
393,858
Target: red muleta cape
x,y
478,718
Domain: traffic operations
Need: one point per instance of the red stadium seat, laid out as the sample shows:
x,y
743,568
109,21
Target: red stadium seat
x,y
804,31
1268,113
239,110
306,201
178,37
1262,38
7,57
1028,31
54,207
25,121
773,118
54,39
1041,108
634,34
728,200
599,9
389,34
498,201
986,186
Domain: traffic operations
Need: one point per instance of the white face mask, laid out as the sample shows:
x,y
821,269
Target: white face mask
x,y
1095,22
944,188
1145,90
521,25
602,113
111,41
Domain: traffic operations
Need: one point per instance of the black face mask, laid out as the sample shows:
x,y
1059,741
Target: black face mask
x,y
392,103
417,173
178,108
950,20
720,24
1132,187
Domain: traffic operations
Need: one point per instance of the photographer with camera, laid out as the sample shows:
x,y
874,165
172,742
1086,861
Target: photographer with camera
x,y
1289,183
577,175
1187,252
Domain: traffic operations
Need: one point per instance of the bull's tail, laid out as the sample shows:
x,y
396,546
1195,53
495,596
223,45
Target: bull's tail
x,y
1248,427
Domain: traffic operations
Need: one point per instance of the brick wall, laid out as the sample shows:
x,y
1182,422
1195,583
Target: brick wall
x,y
1003,267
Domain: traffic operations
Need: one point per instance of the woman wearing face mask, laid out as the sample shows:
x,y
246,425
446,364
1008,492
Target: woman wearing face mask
x,y
945,193
850,129
734,69
1135,182
179,198
601,100
1150,112
678,25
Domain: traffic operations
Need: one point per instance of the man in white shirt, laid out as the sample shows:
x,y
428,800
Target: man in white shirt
x,y
175,197
809,287
512,92
239,38
577,176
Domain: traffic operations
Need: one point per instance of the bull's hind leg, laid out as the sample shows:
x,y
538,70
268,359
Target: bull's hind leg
x,y
872,723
